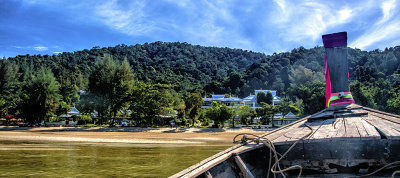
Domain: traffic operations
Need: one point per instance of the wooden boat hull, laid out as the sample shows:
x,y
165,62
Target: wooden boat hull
x,y
339,147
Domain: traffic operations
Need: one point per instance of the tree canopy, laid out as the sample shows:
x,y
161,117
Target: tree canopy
x,y
173,71
219,113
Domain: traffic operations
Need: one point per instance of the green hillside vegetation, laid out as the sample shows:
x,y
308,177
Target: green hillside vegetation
x,y
156,78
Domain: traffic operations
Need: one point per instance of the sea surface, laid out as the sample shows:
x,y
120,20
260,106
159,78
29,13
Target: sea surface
x,y
22,159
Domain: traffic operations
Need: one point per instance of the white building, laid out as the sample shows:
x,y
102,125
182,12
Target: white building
x,y
250,101
221,99
289,118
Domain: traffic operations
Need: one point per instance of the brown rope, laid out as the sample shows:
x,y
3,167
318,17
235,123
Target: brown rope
x,y
268,143
380,169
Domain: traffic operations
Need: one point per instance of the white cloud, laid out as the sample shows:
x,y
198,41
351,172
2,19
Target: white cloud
x,y
385,31
378,34
388,9
181,3
211,23
130,20
36,48
253,25
306,21
40,48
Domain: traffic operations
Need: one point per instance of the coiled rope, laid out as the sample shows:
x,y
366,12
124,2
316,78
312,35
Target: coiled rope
x,y
278,157
382,168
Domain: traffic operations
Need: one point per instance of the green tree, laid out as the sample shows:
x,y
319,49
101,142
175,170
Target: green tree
x,y
301,75
269,98
312,95
63,108
110,84
193,103
83,119
69,95
244,113
266,112
122,87
148,101
2,104
263,97
286,105
10,87
219,113
40,96
394,103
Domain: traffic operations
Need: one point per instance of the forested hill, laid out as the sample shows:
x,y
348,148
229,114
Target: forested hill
x,y
297,75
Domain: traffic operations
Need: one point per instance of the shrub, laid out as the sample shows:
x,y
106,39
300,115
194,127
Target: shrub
x,y
83,119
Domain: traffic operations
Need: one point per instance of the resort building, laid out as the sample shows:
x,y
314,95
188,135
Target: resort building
x,y
289,118
280,120
231,101
250,101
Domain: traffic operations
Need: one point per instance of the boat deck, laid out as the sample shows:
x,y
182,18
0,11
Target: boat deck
x,y
374,125
360,139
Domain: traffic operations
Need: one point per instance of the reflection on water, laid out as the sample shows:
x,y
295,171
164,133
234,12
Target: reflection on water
x,y
19,159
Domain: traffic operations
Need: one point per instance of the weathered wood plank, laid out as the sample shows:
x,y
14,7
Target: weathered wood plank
x,y
296,132
387,116
293,135
370,129
326,131
246,172
208,174
391,124
315,125
395,120
351,127
340,128
357,122
326,114
278,134
383,126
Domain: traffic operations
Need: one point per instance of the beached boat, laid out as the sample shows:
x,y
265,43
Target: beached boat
x,y
343,140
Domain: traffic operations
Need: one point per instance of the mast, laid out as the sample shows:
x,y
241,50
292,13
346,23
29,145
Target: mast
x,y
337,91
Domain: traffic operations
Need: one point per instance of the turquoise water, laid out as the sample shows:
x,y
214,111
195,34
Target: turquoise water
x,y
21,159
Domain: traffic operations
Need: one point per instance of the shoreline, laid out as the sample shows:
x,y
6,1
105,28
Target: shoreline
x,y
129,135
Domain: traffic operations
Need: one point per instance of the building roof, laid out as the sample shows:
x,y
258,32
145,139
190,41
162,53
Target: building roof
x,y
290,115
74,111
231,99
71,113
217,96
278,115
251,98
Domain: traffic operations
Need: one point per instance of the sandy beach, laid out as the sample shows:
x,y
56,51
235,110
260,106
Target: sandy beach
x,y
122,135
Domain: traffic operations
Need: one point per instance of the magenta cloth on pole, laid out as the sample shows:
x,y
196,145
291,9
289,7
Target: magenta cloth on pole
x,y
335,67
327,84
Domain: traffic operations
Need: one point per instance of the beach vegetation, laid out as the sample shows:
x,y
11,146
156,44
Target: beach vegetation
x,y
219,113
168,80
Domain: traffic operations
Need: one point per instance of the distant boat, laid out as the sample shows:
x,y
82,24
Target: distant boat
x,y
343,140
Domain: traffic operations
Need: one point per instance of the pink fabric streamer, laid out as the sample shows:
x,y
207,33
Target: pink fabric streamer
x,y
327,83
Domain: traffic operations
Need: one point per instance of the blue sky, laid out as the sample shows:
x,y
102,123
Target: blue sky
x,y
53,26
